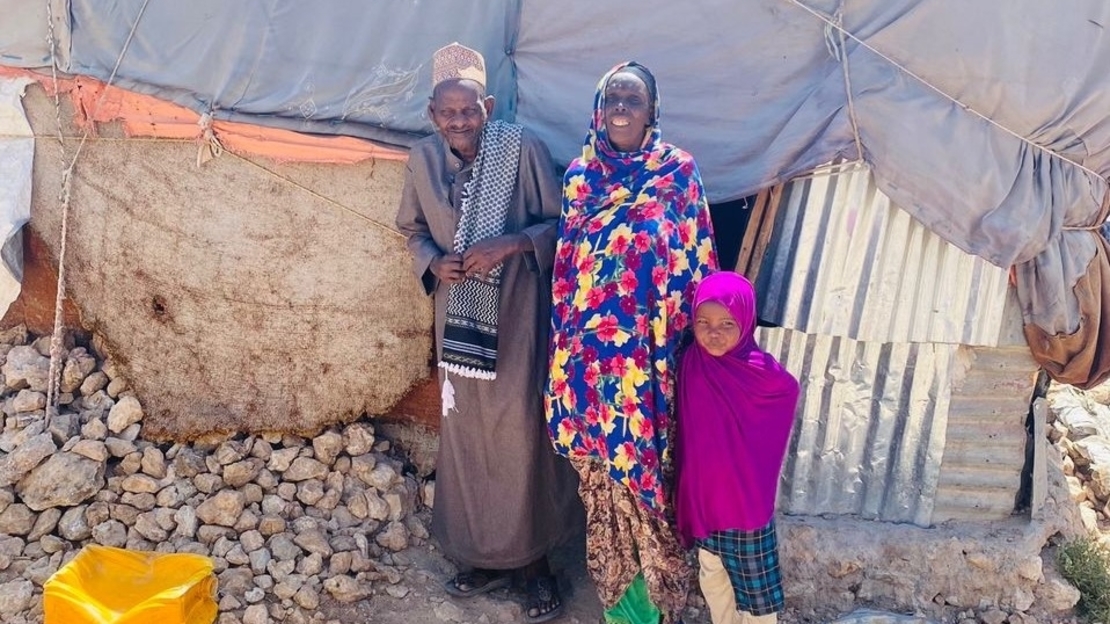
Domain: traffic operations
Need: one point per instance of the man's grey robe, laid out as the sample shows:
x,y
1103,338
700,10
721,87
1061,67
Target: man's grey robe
x,y
503,497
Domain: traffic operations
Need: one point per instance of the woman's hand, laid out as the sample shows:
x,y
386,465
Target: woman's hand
x,y
483,256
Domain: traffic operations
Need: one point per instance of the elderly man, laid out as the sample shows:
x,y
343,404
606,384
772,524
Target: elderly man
x,y
480,207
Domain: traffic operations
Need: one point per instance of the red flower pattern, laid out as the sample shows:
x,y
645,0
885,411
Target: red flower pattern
x,y
632,235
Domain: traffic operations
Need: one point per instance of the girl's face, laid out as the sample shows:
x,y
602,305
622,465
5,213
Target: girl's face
x,y
715,329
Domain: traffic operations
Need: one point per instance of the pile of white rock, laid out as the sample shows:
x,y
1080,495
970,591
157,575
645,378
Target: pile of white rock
x,y
1079,426
287,520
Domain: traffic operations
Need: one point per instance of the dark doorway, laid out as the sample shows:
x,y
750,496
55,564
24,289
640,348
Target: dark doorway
x,y
730,223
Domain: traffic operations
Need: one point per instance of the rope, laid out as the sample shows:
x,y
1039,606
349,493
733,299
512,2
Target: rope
x,y
319,196
841,54
831,169
1100,218
108,83
56,346
95,139
285,179
55,340
208,146
845,33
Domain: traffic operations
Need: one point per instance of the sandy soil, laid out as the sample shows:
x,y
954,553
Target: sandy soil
x,y
426,601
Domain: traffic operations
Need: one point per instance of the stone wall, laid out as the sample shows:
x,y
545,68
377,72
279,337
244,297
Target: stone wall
x,y
1079,427
287,520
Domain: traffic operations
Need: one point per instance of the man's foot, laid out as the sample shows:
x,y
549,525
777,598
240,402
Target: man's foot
x,y
544,601
475,582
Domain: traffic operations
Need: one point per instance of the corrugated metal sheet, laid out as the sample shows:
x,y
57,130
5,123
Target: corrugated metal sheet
x,y
985,449
845,261
870,429
903,432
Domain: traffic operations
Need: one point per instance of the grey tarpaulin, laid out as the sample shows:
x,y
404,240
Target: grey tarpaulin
x,y
757,91
24,32
1003,144
355,68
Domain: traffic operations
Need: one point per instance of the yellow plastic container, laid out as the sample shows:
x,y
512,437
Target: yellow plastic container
x,y
104,585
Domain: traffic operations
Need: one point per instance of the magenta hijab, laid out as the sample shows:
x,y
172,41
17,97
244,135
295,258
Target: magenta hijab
x,y
735,413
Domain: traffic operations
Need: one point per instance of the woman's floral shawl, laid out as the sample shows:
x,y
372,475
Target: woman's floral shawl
x,y
634,240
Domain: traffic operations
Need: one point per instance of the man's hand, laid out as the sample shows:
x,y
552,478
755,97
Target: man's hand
x,y
484,255
448,268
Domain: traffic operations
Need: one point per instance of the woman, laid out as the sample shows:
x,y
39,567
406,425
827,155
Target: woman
x,y
634,239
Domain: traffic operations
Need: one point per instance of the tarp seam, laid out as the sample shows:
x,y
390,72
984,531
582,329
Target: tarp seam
x,y
842,54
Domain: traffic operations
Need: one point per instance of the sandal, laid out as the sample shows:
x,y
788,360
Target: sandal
x,y
476,582
544,601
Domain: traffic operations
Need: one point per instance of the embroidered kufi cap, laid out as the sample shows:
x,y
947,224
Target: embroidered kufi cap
x,y
458,62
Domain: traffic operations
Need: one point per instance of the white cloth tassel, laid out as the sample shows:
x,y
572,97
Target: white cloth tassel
x,y
469,372
447,395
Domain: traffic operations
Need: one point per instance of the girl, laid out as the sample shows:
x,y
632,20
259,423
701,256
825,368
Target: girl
x,y
735,412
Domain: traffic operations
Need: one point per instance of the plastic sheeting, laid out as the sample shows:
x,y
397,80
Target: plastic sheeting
x,y
987,125
17,154
757,91
360,69
107,585
147,116
24,32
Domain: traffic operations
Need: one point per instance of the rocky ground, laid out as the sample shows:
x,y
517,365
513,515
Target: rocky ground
x,y
329,529
1079,427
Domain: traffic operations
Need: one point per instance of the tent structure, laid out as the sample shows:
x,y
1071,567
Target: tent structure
x,y
961,144
986,123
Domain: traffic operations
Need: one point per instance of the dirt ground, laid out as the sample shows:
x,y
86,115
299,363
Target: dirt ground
x,y
426,601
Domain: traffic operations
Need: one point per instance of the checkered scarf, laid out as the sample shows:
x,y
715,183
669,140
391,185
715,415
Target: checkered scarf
x,y
470,335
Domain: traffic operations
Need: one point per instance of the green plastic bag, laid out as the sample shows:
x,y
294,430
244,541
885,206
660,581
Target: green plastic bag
x,y
634,607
